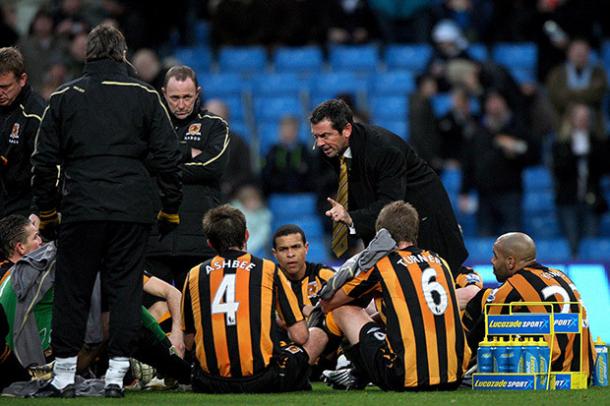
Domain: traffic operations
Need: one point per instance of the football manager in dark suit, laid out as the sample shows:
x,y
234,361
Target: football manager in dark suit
x,y
377,167
100,129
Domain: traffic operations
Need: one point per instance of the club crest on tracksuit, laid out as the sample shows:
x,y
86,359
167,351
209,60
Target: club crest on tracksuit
x,y
193,133
14,136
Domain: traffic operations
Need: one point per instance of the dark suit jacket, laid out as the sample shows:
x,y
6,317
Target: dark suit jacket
x,y
384,169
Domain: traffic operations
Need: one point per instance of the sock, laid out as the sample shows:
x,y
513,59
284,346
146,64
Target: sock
x,y
117,368
63,372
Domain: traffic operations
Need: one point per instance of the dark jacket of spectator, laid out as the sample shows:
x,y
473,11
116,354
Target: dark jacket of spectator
x,y
488,168
288,169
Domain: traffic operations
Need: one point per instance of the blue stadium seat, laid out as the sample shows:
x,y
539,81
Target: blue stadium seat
x,y
393,83
552,250
468,222
480,249
452,179
268,136
310,223
363,58
542,225
523,76
538,202
441,104
329,85
398,127
597,249
202,32
289,205
318,251
235,105
516,55
222,84
274,108
242,59
198,58
478,52
388,107
268,133
240,128
537,178
279,84
410,57
307,59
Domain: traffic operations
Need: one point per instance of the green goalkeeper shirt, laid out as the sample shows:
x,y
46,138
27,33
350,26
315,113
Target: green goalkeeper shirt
x,y
43,313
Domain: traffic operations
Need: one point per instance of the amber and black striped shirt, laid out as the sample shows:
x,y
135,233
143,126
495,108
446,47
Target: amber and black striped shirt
x,y
230,304
306,289
416,299
537,283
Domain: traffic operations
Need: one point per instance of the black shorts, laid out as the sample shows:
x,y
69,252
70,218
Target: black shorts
x,y
287,372
373,357
384,368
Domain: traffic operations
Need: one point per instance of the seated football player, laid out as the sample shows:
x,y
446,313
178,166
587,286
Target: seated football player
x,y
523,279
418,342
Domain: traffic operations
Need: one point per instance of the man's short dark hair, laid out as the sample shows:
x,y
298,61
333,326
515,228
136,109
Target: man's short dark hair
x,y
225,227
334,110
400,219
11,60
106,41
180,73
288,229
12,231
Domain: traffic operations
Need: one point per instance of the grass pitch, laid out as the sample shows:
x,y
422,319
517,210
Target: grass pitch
x,y
322,395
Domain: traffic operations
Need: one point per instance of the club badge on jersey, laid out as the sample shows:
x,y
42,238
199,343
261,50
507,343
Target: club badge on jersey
x,y
193,133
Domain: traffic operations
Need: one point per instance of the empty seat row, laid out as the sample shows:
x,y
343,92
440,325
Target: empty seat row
x,y
345,57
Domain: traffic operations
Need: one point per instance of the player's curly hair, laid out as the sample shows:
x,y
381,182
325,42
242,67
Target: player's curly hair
x,y
225,227
400,219
12,231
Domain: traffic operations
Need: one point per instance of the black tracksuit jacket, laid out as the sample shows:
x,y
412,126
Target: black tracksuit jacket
x,y
19,123
100,129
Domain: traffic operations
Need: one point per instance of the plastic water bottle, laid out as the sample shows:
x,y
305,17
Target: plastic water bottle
x,y
513,353
600,373
503,356
544,362
484,357
529,354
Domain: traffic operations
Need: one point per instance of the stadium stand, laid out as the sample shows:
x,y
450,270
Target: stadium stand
x,y
245,60
298,59
410,57
359,58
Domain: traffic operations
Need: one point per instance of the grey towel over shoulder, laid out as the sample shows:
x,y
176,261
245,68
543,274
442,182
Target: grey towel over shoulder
x,y
380,246
32,277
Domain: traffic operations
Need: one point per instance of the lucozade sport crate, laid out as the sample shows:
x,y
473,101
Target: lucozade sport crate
x,y
526,364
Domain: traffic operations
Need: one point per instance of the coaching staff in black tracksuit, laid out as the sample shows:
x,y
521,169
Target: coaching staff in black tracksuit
x,y
20,115
100,129
204,143
383,168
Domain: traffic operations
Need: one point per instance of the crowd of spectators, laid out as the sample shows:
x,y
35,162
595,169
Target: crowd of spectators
x,y
556,119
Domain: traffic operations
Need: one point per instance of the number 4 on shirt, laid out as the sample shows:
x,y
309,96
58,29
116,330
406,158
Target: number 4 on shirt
x,y
224,299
